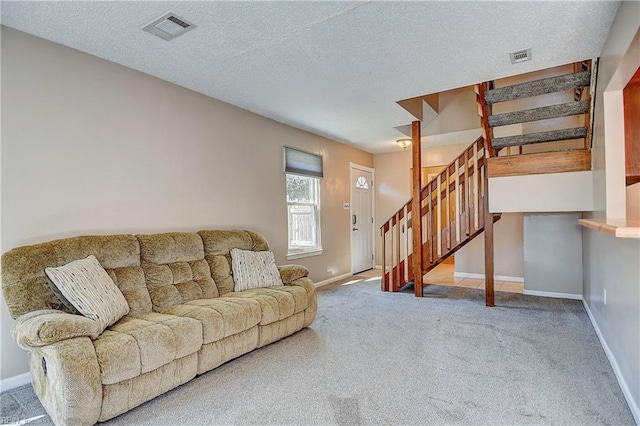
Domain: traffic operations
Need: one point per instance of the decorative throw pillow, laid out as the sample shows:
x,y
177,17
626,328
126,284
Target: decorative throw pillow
x,y
88,287
72,309
253,269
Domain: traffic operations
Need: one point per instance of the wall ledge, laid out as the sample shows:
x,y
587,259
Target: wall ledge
x,y
619,228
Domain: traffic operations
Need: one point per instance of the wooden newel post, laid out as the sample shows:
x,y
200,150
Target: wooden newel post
x,y
416,210
488,241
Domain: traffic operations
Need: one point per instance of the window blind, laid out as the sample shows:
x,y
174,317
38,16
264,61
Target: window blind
x,y
302,163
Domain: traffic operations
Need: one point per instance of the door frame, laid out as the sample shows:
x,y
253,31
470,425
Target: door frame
x,y
352,167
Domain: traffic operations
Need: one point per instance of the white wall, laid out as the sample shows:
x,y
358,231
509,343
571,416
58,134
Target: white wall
x,y
91,147
553,192
613,263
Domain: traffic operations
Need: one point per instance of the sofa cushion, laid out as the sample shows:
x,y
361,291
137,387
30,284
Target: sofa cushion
x,y
276,303
175,269
137,345
220,317
253,269
25,286
217,248
86,285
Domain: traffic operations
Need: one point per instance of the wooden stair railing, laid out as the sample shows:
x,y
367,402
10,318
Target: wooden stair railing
x,y
452,213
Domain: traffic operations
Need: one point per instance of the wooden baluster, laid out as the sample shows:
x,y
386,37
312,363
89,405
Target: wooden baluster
x,y
430,223
467,192
476,201
457,207
384,281
396,279
409,244
392,237
439,217
405,248
483,192
448,209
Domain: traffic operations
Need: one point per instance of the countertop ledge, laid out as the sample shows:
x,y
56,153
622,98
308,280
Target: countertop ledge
x,y
619,228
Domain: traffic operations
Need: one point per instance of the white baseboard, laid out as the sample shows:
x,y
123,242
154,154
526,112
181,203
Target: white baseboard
x,y
15,381
495,277
553,294
378,267
332,280
633,405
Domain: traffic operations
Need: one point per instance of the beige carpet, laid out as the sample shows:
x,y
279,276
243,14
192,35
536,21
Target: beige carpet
x,y
382,358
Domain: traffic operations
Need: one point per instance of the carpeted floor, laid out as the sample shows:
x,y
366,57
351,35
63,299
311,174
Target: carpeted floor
x,y
382,358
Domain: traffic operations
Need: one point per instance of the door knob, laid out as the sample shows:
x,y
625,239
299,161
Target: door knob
x,y
354,229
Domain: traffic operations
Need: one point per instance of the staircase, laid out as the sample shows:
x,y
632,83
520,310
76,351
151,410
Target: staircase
x,y
454,206
539,160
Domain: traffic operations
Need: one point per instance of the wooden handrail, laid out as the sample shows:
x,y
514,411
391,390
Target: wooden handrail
x,y
424,189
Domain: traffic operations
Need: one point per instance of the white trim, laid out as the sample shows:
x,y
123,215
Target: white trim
x,y
482,277
300,255
552,294
377,267
633,405
332,280
359,167
15,381
354,166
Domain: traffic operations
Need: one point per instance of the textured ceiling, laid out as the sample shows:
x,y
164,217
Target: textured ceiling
x,y
336,69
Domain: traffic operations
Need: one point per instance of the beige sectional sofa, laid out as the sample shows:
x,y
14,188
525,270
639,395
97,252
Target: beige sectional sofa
x,y
184,318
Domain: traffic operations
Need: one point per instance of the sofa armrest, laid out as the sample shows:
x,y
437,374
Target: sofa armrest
x,y
290,273
48,326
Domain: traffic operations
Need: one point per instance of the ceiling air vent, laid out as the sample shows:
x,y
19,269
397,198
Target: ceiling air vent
x,y
169,26
520,56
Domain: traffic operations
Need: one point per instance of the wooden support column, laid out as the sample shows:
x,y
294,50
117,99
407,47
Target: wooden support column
x,y
416,208
488,240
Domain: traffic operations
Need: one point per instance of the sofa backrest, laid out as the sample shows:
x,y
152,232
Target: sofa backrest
x,y
153,271
25,287
175,269
217,248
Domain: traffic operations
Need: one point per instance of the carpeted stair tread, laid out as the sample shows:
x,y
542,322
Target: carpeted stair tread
x,y
538,87
541,113
531,138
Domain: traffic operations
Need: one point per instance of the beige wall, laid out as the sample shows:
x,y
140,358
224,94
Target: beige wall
x,y
457,111
91,147
611,263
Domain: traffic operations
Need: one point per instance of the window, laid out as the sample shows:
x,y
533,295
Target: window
x,y
303,172
361,183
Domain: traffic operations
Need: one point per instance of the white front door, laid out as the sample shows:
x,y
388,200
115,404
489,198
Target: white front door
x,y
361,221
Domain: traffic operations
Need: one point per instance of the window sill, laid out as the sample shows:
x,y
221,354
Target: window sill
x,y
301,254
619,228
